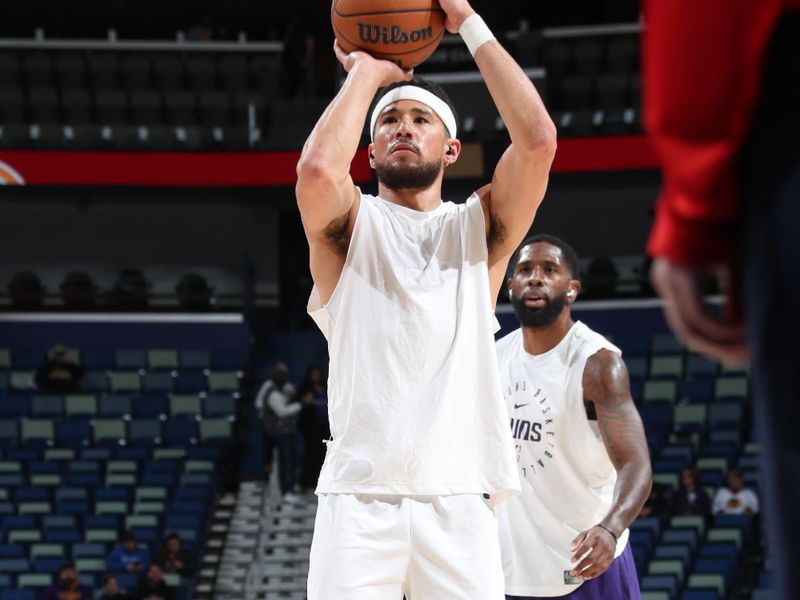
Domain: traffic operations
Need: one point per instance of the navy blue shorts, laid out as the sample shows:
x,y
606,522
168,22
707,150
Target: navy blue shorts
x,y
619,582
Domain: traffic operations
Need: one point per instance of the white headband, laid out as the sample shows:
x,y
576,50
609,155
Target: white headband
x,y
413,92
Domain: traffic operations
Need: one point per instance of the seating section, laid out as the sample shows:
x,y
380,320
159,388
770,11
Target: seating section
x,y
136,99
696,415
201,99
143,446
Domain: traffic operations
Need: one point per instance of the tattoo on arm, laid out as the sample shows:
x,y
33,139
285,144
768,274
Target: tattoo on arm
x,y
606,386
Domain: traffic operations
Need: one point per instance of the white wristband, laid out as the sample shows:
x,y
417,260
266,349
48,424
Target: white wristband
x,y
475,33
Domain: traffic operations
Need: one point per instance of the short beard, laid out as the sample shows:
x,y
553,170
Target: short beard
x,y
408,177
538,318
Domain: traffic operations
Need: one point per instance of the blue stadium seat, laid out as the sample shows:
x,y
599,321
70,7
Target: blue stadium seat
x,y
114,405
9,432
97,360
48,564
194,359
31,494
726,550
158,381
89,550
189,382
219,405
19,594
14,565
668,583
12,551
14,405
682,552
180,432
58,521
120,494
136,453
73,433
144,432
700,594
101,454
182,521
95,382
61,536
696,390
130,360
681,535
47,406
101,522
151,405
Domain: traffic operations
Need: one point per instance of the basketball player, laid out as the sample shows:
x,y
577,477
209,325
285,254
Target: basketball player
x,y
404,292
581,450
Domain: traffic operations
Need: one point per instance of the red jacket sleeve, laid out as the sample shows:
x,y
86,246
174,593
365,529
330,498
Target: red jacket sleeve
x,y
701,67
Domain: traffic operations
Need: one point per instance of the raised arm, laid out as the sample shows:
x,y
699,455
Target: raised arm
x,y
605,384
520,178
326,195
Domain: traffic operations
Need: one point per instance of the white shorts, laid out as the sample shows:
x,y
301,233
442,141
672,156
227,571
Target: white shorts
x,y
427,547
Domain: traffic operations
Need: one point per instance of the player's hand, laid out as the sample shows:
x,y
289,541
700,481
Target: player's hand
x,y
681,287
600,545
457,12
388,71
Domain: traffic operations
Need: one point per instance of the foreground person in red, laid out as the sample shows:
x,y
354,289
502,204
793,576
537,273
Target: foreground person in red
x,y
722,90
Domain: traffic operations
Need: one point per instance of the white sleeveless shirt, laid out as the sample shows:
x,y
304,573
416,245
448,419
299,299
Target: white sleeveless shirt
x,y
566,475
414,396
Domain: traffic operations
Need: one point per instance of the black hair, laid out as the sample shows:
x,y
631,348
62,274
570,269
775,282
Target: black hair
x,y
65,566
567,251
127,536
426,84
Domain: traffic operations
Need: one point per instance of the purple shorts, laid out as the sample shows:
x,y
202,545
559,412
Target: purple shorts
x,y
619,582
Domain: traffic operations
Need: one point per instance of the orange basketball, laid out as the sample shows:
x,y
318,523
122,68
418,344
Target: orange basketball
x,y
403,31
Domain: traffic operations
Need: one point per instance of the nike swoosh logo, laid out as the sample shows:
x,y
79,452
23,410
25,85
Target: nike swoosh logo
x,y
521,405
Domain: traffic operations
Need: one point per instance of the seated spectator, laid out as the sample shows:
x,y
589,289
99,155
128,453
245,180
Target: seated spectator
x,y
128,556
172,558
111,589
153,587
691,498
67,586
59,375
657,503
734,498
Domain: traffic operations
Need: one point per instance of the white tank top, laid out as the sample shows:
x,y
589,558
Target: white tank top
x,y
415,403
566,475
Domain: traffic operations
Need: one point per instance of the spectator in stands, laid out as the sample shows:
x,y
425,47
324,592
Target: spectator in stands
x,y
657,503
691,498
279,423
313,425
172,558
721,90
153,587
59,374
111,589
128,556
734,498
67,586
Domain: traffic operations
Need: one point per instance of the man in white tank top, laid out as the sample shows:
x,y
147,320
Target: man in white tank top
x,y
581,450
405,286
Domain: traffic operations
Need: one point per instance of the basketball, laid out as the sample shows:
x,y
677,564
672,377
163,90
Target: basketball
x,y
405,32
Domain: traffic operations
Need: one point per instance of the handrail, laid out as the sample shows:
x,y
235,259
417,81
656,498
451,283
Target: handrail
x,y
161,45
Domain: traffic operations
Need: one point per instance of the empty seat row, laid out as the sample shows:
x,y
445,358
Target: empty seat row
x,y
168,70
120,405
123,359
